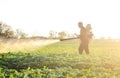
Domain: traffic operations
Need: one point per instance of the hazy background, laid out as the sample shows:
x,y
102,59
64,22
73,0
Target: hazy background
x,y
41,16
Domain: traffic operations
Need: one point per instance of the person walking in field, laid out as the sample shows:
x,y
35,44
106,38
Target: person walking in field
x,y
85,35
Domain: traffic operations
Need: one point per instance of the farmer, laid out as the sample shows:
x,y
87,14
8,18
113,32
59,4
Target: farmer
x,y
84,38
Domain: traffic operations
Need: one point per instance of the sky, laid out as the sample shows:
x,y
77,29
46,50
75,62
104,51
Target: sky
x,y
42,16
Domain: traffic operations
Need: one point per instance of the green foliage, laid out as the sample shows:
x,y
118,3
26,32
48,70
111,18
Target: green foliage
x,y
62,60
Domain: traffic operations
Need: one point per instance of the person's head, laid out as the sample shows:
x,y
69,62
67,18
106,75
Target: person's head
x,y
88,27
80,24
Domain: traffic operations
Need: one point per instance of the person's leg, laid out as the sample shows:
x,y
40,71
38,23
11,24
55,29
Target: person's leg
x,y
86,49
81,49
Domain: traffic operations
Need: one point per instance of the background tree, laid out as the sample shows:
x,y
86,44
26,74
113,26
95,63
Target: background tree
x,y
62,34
6,31
9,33
20,34
52,34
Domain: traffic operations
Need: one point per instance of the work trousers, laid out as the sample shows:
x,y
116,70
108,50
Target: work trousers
x,y
84,46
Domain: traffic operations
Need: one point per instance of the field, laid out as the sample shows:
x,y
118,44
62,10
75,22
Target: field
x,y
61,60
